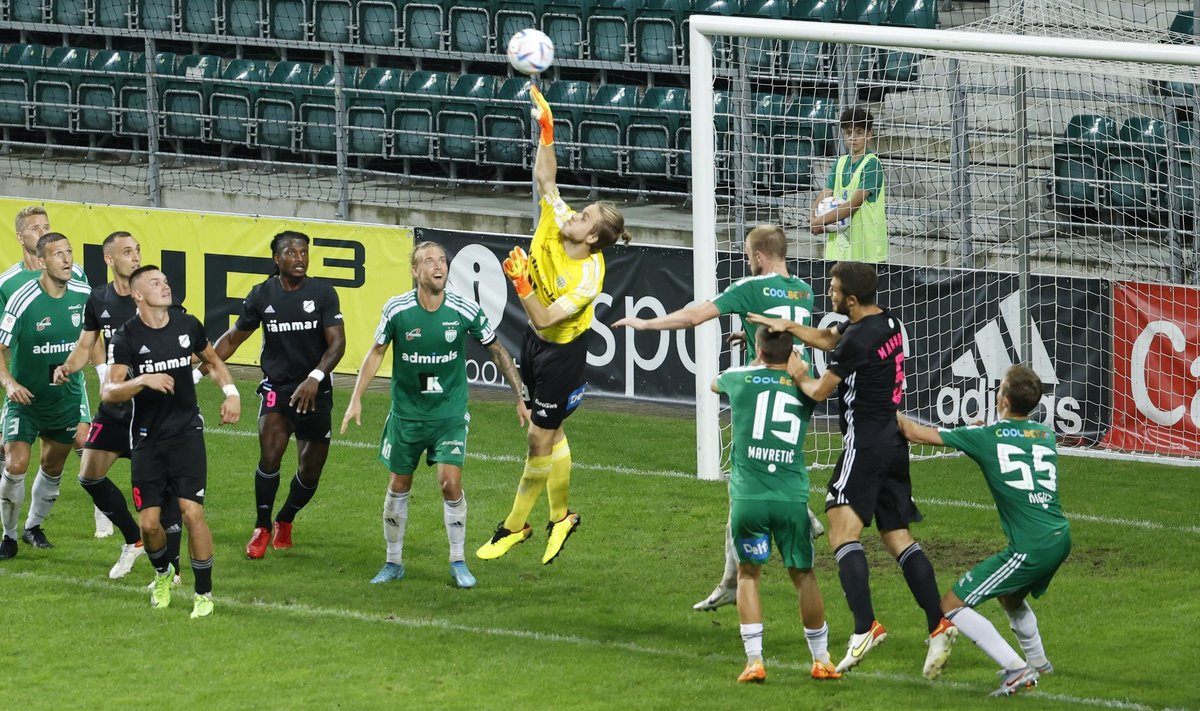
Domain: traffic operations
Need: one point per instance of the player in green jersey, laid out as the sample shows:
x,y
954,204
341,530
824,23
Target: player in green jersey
x,y
429,327
770,289
33,222
768,494
40,325
1019,460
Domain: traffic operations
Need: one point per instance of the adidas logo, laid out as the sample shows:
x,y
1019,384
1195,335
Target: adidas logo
x,y
456,450
269,310
200,493
540,413
144,350
104,314
997,346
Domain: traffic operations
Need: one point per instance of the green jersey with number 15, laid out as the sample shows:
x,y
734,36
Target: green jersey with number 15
x,y
770,295
1019,459
770,420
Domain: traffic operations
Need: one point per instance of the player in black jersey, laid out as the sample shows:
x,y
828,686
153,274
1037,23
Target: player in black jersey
x,y
151,364
871,479
303,340
108,309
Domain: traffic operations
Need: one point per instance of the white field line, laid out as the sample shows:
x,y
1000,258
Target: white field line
x,y
667,473
314,612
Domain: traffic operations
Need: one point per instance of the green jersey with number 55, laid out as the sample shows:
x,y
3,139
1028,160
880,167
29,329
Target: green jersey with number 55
x,y
1019,459
769,295
429,355
770,421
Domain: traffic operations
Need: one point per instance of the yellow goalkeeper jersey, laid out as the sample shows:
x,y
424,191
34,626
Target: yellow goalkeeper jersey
x,y
572,284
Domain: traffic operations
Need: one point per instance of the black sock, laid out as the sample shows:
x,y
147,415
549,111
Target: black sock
x,y
918,573
856,577
159,559
298,496
111,502
202,569
265,487
172,522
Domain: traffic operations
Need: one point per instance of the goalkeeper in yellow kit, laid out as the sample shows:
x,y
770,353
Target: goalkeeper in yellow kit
x,y
556,283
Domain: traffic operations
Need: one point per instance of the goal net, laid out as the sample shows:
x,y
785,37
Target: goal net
x,y
1039,195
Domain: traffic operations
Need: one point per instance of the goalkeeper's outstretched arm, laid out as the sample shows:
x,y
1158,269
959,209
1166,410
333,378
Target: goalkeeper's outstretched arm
x,y
545,163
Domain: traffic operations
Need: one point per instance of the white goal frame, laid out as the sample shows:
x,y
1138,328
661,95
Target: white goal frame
x,y
704,204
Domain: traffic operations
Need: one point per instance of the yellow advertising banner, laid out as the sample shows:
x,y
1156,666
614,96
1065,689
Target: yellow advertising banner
x,y
212,260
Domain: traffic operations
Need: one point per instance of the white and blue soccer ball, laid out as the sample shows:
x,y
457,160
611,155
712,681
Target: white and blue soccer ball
x,y
828,205
530,52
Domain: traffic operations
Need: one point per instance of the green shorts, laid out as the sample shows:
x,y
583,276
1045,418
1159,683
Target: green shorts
x,y
85,409
404,441
1013,572
754,522
21,424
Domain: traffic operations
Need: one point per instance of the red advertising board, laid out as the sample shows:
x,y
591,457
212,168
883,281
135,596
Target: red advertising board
x,y
1156,369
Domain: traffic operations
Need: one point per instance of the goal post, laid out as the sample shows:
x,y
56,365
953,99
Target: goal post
x,y
1009,230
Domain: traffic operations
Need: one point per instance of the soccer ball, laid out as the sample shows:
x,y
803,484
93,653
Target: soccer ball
x,y
530,52
828,205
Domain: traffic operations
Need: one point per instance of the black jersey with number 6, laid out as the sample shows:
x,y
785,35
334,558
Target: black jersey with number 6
x,y
294,324
869,359
158,416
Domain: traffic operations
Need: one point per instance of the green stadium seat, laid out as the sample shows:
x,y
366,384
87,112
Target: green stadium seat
x,y
563,22
459,126
1182,27
157,15
819,10
1187,188
510,17
333,21
603,125
231,105
318,109
369,110
817,117
70,12
288,19
901,67
865,12
608,30
202,17
568,99
134,120
470,24
721,50
423,26
1076,180
1188,139
653,131
33,11
506,124
656,29
760,54
22,65
1129,184
185,97
413,118
97,92
54,88
792,169
278,106
922,14
244,18
1088,135
379,23
113,14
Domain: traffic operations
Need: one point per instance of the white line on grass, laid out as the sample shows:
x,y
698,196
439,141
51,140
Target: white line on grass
x,y
310,611
667,473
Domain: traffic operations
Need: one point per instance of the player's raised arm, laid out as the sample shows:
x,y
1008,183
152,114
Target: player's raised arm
x,y
824,340
545,164
81,354
819,389
918,433
370,366
689,316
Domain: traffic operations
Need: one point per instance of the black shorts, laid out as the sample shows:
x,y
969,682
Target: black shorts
x,y
553,375
109,434
175,467
874,481
313,426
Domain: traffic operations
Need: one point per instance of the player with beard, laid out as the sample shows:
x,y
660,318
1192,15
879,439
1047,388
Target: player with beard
x,y
303,341
107,310
871,479
167,434
429,327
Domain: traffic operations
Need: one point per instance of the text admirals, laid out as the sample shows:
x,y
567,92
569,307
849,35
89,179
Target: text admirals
x,y
428,359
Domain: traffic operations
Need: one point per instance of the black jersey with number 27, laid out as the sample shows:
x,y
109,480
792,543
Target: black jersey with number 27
x,y
158,416
869,359
294,324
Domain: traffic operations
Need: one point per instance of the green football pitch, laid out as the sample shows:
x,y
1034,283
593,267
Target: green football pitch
x,y
609,625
